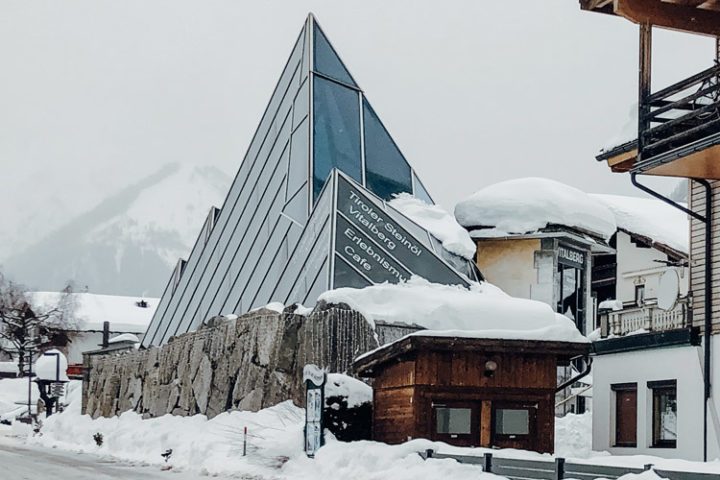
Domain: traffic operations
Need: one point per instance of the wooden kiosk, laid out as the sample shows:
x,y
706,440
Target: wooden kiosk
x,y
467,391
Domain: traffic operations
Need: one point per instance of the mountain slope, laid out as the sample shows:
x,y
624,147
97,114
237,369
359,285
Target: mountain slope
x,y
128,244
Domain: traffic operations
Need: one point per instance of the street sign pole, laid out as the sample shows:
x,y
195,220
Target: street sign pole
x,y
314,378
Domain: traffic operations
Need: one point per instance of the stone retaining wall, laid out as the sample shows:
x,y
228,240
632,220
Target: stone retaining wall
x,y
249,363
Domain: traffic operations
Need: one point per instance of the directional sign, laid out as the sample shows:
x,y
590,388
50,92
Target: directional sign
x,y
315,379
57,389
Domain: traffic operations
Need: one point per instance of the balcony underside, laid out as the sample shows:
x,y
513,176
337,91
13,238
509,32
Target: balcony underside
x,y
697,160
694,16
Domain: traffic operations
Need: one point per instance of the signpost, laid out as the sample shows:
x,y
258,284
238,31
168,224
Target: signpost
x,y
314,378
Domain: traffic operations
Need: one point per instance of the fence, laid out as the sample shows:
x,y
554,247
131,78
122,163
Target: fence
x,y
516,469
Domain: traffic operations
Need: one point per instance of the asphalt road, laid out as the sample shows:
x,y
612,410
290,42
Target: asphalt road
x,y
20,462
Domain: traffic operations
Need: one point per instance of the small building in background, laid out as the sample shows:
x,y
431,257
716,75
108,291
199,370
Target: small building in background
x,y
88,317
537,238
467,391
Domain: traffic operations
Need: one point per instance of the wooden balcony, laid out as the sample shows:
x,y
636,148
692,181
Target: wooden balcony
x,y
679,131
648,318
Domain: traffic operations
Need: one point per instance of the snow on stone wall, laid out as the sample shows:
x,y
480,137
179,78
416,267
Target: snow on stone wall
x,y
247,363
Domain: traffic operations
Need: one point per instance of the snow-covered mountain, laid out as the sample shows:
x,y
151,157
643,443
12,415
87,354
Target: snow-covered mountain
x,y
129,243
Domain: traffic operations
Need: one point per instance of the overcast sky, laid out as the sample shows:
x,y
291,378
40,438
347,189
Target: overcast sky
x,y
96,93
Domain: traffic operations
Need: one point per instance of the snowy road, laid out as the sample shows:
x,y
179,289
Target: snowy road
x,y
20,462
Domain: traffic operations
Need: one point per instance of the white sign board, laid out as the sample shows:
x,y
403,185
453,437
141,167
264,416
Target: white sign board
x,y
314,378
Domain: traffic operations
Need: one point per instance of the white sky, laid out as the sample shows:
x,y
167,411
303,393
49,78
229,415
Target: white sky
x,y
95,93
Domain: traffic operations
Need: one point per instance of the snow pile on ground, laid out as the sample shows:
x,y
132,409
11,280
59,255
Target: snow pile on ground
x,y
483,311
438,222
91,310
14,396
527,205
650,218
355,391
211,446
573,436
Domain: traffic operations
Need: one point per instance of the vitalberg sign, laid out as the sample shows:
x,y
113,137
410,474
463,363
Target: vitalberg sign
x,y
375,244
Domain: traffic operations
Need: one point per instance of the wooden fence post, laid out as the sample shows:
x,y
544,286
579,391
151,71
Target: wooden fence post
x,y
487,462
559,468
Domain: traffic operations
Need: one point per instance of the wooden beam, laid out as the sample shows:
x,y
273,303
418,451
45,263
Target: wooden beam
x,y
670,15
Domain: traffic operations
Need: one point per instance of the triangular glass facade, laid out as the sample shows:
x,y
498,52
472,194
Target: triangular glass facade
x,y
296,220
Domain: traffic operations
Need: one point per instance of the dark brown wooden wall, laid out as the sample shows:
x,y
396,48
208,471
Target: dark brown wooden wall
x,y
404,392
468,369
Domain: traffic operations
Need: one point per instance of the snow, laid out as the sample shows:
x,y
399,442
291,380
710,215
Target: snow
x,y
483,311
628,133
274,448
9,367
52,365
650,218
13,397
124,337
274,306
438,222
611,305
91,310
351,388
528,205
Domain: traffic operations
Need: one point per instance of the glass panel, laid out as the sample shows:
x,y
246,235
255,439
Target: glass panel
x,y
420,191
296,208
665,417
346,276
453,420
298,168
512,422
327,62
301,104
319,286
336,132
386,171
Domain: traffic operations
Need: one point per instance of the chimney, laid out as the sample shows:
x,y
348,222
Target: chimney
x,y
106,335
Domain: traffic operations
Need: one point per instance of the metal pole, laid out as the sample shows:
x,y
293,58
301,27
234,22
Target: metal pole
x,y
244,441
644,84
29,383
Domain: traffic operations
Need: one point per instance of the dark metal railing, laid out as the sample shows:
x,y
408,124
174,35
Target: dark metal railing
x,y
679,116
559,469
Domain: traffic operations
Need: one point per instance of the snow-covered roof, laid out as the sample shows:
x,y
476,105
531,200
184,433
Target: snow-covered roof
x,y
483,311
528,205
124,337
355,392
91,310
650,218
438,222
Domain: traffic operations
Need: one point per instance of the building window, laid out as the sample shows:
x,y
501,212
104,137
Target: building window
x,y
664,413
512,421
625,414
453,421
639,295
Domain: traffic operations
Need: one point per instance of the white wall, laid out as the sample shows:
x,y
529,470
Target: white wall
x,y
683,364
638,265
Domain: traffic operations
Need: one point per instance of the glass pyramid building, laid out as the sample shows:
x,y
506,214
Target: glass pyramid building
x,y
307,211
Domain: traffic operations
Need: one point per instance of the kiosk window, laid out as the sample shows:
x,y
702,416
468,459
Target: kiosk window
x,y
512,421
664,395
453,420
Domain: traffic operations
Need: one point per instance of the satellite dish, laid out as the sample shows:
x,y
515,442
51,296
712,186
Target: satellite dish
x,y
668,289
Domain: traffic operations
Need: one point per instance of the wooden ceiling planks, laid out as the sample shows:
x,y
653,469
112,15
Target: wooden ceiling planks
x,y
695,16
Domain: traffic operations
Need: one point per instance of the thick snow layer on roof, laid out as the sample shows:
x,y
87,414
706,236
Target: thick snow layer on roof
x,y
438,222
355,391
91,310
650,218
527,205
124,337
483,311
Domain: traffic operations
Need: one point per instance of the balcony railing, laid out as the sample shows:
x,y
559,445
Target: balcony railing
x,y
648,318
679,120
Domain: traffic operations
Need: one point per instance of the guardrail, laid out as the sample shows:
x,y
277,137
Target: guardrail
x,y
516,469
681,114
648,317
